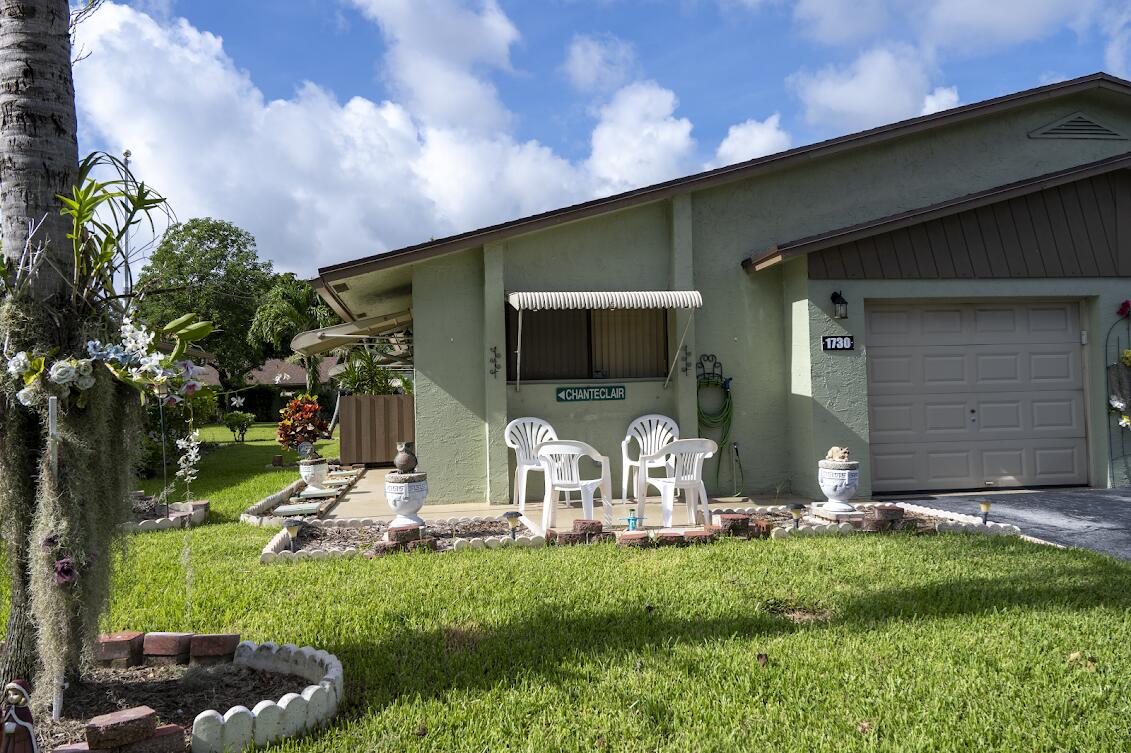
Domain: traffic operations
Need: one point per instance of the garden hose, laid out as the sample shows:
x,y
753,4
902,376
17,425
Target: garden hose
x,y
709,375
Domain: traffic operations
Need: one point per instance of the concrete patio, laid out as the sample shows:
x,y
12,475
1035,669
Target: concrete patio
x,y
367,500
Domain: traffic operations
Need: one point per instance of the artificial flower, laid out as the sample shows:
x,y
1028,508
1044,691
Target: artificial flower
x,y
190,387
85,382
1116,403
26,397
84,367
237,401
62,372
50,541
19,364
1124,309
1125,421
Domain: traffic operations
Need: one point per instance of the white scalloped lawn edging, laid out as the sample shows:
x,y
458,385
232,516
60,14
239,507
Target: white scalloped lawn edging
x,y
278,549
294,715
254,514
820,529
959,523
197,513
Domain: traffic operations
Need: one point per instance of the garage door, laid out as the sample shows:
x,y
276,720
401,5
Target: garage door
x,y
968,396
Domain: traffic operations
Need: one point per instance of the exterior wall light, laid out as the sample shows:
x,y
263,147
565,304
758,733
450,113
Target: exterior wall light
x,y
840,306
796,510
985,505
512,517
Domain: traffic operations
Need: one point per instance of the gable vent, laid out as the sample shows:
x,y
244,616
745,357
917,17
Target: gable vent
x,y
340,287
1076,126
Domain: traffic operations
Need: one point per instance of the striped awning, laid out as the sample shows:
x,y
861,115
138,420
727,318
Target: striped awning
x,y
619,299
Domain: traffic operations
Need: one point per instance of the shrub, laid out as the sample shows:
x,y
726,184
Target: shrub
x,y
302,421
238,422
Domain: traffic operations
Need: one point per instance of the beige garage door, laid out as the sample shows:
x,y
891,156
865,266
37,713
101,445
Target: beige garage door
x,y
971,395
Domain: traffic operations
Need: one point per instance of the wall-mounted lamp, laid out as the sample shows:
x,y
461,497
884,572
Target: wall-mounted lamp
x,y
840,306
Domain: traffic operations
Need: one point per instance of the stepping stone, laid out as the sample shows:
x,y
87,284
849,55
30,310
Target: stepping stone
x,y
317,493
308,508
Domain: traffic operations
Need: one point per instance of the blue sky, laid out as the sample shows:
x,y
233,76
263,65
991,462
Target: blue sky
x,y
337,128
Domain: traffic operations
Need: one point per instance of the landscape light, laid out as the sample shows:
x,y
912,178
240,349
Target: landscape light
x,y
512,517
796,510
293,526
985,505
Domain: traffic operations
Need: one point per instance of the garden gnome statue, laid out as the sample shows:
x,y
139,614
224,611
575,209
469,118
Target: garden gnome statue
x,y
19,734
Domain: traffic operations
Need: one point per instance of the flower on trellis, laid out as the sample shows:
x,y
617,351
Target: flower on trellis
x,y
1117,403
190,448
1124,310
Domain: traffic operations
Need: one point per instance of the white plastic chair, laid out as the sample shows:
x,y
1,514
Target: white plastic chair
x,y
686,457
523,435
560,460
650,433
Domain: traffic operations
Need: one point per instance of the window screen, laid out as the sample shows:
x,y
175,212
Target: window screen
x,y
588,344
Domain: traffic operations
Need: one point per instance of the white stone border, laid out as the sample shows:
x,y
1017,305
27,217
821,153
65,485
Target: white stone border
x,y
294,715
278,549
195,518
820,529
959,523
254,514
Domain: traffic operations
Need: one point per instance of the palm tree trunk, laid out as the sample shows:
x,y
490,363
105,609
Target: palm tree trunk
x,y
38,160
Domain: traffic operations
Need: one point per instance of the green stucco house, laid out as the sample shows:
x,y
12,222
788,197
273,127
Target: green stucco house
x,y
980,253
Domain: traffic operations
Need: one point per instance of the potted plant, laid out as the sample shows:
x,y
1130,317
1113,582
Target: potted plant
x,y
301,425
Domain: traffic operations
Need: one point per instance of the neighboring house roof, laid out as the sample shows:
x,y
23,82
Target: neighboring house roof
x,y
802,246
698,181
295,374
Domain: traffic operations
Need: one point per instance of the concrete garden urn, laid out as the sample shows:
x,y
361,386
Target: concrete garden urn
x,y
406,493
313,471
839,479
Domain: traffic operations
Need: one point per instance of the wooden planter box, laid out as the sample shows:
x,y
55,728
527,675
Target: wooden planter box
x,y
371,426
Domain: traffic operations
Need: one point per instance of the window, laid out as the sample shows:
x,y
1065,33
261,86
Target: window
x,y
588,344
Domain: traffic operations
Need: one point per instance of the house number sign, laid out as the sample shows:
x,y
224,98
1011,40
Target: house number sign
x,y
582,394
838,342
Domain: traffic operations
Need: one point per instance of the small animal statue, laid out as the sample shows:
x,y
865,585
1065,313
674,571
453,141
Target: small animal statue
x,y
837,453
19,734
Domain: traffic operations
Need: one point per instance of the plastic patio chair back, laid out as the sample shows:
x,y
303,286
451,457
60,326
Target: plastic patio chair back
x,y
564,459
652,432
523,435
687,456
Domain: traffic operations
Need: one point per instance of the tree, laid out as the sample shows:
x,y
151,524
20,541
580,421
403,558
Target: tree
x,y
211,267
290,307
38,160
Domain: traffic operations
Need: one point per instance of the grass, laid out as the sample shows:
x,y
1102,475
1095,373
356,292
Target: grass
x,y
949,643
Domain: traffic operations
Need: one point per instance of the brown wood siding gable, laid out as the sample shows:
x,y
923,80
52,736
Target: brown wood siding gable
x,y
1080,229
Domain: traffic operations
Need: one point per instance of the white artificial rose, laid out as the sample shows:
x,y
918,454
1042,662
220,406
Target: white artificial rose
x,y
19,364
85,367
85,382
25,397
62,372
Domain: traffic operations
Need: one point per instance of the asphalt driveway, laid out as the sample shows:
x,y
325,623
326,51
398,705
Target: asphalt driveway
x,y
1098,519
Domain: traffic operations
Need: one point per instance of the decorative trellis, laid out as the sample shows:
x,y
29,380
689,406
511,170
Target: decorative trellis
x,y
1117,354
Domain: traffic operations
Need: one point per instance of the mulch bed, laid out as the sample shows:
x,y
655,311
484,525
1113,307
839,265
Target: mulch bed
x,y
176,693
319,537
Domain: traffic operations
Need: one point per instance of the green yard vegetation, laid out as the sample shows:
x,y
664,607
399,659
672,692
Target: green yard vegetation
x,y
943,643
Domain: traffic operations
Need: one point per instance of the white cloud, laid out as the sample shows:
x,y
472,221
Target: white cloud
x,y
840,21
883,85
599,63
980,25
754,138
638,139
942,98
317,180
435,47
1117,53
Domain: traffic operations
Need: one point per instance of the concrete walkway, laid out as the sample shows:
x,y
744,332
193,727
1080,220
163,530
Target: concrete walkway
x,y
1098,519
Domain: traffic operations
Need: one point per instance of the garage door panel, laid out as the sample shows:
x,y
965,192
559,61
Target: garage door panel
x,y
967,324
974,395
976,368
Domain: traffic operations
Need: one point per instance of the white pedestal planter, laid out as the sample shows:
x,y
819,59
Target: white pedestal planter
x,y
406,493
313,472
839,480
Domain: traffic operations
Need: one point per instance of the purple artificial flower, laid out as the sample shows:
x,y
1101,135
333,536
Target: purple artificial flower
x,y
50,541
64,571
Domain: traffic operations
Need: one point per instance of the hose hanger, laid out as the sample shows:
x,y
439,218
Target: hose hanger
x,y
709,376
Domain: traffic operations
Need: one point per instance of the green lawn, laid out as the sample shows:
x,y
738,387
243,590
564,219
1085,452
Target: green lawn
x,y
951,643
